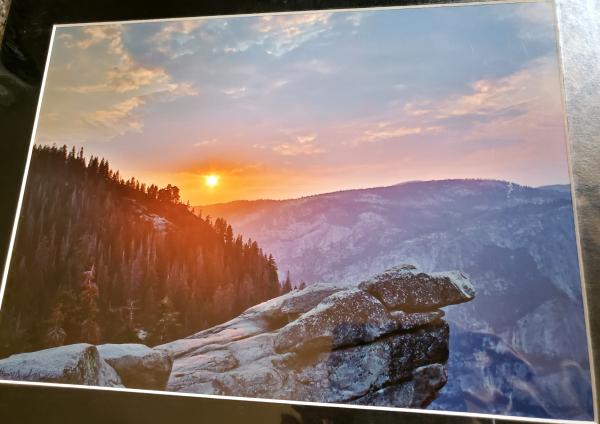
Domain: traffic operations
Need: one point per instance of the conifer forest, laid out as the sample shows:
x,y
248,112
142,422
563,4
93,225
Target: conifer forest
x,y
101,259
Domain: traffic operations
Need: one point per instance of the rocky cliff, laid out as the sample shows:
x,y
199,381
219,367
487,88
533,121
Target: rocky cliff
x,y
383,342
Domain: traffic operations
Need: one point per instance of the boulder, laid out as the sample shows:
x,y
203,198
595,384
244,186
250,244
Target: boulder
x,y
73,364
137,365
408,289
348,317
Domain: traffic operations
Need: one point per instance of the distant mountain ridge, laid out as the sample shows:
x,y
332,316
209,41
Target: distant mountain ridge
x,y
517,244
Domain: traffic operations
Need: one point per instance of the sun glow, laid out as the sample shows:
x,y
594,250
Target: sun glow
x,y
211,180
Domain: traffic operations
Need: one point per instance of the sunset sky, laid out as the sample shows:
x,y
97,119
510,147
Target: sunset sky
x,y
282,106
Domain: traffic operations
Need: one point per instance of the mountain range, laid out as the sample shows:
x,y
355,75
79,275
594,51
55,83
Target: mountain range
x,y
517,244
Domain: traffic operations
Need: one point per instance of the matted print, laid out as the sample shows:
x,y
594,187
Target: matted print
x,y
366,207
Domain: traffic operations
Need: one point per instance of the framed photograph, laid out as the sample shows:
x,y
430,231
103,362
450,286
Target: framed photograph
x,y
337,213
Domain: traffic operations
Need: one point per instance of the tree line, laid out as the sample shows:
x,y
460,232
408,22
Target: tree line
x,y
99,259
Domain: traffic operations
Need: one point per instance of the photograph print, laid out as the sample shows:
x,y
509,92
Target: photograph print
x,y
366,207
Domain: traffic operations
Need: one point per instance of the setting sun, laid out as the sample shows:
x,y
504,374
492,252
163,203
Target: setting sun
x,y
211,180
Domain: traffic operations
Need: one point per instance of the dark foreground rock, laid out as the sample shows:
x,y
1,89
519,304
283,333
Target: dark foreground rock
x,y
373,345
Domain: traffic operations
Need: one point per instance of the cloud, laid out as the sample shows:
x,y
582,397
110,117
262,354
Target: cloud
x,y
120,118
118,89
304,139
205,142
523,106
318,66
417,109
386,131
292,25
301,146
281,34
288,149
235,92
355,18
125,74
509,107
97,34
124,79
530,89
518,106
277,84
168,29
174,35
127,115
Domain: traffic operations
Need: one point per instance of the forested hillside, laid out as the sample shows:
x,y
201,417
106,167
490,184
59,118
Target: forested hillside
x,y
99,259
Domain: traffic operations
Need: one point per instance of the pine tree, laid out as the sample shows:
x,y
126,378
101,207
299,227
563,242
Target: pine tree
x,y
56,334
167,322
286,287
90,329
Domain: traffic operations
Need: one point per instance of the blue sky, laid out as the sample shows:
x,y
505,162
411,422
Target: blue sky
x,y
288,105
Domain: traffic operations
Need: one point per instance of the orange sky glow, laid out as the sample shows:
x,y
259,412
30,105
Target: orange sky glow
x,y
310,103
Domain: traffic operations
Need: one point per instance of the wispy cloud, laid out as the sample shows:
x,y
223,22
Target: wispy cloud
x,y
235,92
280,34
306,139
355,18
277,84
319,66
172,37
388,131
121,88
124,79
518,94
186,26
121,117
127,74
127,115
205,142
303,144
288,149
